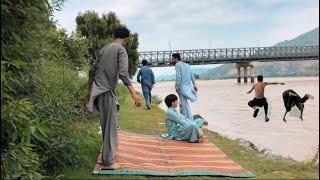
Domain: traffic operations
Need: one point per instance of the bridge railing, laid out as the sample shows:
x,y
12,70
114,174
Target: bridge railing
x,y
231,55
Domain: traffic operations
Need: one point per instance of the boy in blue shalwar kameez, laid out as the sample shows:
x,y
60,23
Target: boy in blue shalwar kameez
x,y
178,126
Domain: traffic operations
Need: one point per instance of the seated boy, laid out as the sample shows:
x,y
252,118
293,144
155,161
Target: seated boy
x,y
291,98
180,128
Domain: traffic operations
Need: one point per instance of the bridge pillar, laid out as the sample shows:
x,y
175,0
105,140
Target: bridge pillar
x,y
245,74
252,74
245,66
238,77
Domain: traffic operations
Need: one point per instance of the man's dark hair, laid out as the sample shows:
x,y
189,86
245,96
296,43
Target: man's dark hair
x,y
144,62
121,32
260,78
176,55
170,99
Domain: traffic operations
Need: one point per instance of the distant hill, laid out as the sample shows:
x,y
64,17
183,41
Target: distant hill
x,y
195,70
199,71
308,38
275,69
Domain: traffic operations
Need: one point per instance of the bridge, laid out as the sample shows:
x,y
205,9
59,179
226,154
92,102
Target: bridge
x,y
243,57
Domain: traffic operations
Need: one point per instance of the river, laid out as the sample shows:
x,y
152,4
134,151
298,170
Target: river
x,y
224,104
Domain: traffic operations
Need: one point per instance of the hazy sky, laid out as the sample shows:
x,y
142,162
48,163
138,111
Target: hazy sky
x,y
195,24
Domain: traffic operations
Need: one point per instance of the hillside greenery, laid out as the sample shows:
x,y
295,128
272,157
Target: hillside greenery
x,y
308,38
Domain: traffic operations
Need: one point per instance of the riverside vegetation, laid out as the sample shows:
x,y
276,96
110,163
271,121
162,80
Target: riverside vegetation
x,y
42,94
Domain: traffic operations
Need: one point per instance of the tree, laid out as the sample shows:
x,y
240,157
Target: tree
x,y
76,49
99,31
133,55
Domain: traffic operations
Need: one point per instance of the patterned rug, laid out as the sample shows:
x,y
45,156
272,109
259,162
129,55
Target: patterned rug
x,y
139,154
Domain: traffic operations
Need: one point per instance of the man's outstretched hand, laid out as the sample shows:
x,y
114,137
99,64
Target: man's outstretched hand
x,y
137,100
135,96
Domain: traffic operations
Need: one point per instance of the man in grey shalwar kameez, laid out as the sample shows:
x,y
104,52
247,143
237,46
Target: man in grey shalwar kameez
x,y
111,65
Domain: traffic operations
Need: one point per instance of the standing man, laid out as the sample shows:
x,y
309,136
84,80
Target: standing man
x,y
111,64
185,85
259,99
146,78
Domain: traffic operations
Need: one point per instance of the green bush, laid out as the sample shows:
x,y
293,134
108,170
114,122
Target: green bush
x,y
18,157
20,161
59,99
42,94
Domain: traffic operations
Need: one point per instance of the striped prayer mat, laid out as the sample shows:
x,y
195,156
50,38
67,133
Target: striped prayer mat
x,y
139,154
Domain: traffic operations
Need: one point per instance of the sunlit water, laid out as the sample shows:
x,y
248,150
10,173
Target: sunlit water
x,y
224,104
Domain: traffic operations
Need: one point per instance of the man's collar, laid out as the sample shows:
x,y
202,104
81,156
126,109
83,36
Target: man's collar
x,y
117,41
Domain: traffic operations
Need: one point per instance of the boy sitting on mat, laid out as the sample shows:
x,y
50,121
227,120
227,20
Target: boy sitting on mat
x,y
178,126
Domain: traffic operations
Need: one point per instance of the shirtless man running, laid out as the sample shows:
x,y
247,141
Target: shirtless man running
x,y
259,99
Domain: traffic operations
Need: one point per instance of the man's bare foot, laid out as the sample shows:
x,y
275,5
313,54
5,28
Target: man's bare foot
x,y
99,161
284,120
111,167
200,141
266,119
204,137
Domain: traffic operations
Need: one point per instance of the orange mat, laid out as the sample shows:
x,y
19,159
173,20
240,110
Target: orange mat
x,y
139,154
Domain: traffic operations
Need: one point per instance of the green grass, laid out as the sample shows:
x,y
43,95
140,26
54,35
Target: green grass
x,y
264,167
142,121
